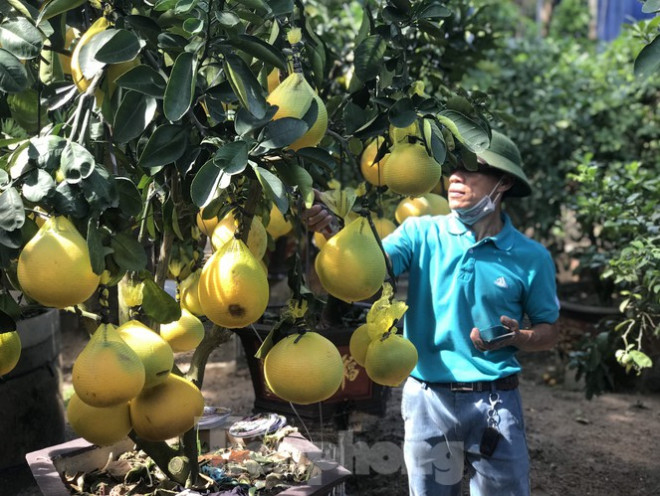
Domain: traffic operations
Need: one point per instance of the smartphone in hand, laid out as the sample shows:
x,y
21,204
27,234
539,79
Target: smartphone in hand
x,y
495,333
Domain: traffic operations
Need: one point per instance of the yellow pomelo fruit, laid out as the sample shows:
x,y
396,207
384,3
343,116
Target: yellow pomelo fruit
x,y
10,351
257,240
99,425
410,170
54,268
304,369
233,288
390,360
155,353
65,60
400,134
115,71
167,410
427,204
278,225
107,372
273,79
206,225
294,97
188,295
184,334
319,240
351,265
373,171
383,226
360,341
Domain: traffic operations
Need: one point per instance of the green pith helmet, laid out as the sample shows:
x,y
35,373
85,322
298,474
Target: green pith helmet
x,y
503,154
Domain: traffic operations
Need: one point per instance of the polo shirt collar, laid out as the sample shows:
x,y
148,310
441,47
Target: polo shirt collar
x,y
503,239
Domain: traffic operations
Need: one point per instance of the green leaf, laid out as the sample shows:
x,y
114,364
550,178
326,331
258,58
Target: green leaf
x,y
121,46
99,190
97,251
369,57
227,19
13,76
432,10
37,185
135,113
467,131
648,60
167,144
651,6
245,122
273,187
184,6
180,87
165,5
12,213
127,252
158,305
76,162
11,309
232,158
129,197
435,142
295,176
259,5
22,8
402,113
259,49
67,200
402,5
21,38
206,183
143,79
56,7
283,132
317,156
192,25
245,85
43,152
280,7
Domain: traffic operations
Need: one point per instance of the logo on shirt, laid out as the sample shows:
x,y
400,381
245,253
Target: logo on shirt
x,y
501,282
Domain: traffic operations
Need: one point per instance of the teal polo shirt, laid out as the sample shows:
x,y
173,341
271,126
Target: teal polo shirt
x,y
456,283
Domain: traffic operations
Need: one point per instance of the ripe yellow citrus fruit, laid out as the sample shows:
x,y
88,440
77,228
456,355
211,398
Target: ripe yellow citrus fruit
x,y
69,37
400,134
351,265
54,268
257,240
233,288
206,225
167,410
360,341
273,79
184,334
99,425
294,97
411,170
155,353
383,226
373,171
304,369
188,295
107,372
10,351
278,226
390,360
427,204
319,240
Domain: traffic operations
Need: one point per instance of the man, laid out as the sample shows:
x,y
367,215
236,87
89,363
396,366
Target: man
x,y
469,271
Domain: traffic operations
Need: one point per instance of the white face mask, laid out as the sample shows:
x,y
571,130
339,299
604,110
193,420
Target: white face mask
x,y
486,206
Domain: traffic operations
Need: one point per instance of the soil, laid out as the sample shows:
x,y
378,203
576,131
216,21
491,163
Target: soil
x,y
606,445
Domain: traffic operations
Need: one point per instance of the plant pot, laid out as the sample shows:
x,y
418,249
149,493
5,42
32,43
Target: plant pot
x,y
31,409
357,392
576,303
79,456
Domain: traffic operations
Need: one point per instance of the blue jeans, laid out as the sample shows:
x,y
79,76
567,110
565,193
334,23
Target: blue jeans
x,y
443,429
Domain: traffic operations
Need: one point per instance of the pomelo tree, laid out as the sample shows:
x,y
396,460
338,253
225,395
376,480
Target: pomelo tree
x,y
139,125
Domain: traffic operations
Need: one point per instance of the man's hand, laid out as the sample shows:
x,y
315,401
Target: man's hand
x,y
319,218
511,324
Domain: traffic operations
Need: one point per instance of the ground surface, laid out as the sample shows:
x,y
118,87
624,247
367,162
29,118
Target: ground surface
x,y
607,446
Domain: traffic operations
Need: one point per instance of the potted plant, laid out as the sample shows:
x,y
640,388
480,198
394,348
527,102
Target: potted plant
x,y
136,130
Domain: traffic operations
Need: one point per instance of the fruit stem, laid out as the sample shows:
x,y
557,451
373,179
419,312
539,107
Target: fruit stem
x,y
388,264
